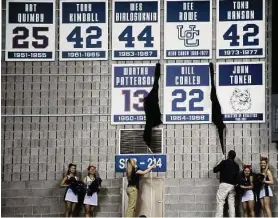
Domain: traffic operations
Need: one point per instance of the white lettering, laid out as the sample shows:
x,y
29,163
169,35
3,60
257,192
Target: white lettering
x,y
83,17
83,7
240,79
136,16
30,7
187,80
241,15
188,6
241,4
136,6
184,16
30,18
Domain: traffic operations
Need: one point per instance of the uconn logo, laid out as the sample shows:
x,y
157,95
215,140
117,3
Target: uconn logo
x,y
188,36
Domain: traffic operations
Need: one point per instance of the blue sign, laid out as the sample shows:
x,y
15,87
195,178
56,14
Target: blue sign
x,y
131,83
187,94
240,29
136,30
142,161
241,91
83,30
30,30
188,29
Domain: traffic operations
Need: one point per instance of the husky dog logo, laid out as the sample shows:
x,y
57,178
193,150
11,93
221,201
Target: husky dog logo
x,y
241,100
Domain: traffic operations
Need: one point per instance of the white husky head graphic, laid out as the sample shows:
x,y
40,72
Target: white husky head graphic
x,y
241,100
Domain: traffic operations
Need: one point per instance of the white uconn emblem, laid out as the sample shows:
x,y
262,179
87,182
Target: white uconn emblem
x,y
188,36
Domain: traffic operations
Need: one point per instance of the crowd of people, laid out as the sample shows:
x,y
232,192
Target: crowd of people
x,y
253,187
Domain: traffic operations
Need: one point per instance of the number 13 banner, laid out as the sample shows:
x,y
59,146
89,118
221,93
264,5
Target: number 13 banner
x,y
83,30
187,94
136,30
131,83
30,30
240,29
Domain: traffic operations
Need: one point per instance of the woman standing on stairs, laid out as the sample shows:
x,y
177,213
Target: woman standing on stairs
x,y
93,183
71,198
133,177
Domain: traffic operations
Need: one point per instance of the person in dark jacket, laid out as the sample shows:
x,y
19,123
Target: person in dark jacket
x,y
229,170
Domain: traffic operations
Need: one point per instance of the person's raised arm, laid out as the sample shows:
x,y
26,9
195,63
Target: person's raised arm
x,y
217,168
143,172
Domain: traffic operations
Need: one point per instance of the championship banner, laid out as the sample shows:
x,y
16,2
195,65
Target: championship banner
x,y
240,29
83,30
30,30
188,29
131,83
136,30
241,91
187,94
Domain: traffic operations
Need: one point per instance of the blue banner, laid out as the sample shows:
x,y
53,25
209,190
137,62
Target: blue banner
x,y
83,30
241,91
187,94
81,12
131,83
189,11
240,74
126,12
191,75
142,161
133,76
240,10
188,29
136,30
35,12
240,29
30,30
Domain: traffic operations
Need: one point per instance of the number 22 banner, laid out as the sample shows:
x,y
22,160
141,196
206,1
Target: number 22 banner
x,y
187,94
136,30
131,83
30,30
83,30
240,29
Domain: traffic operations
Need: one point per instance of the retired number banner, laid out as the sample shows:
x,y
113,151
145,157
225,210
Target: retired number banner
x,y
136,30
241,91
240,29
83,30
187,29
186,94
131,83
30,30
